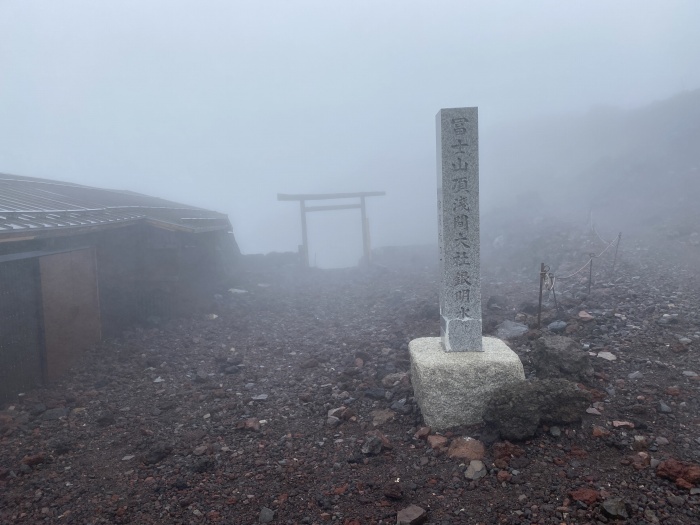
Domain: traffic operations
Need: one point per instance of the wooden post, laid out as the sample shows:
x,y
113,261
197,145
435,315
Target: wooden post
x,y
590,272
304,235
365,239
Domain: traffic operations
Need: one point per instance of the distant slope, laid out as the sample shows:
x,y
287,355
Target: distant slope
x,y
631,168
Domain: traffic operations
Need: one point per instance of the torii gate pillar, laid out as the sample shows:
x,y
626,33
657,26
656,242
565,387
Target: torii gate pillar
x,y
303,208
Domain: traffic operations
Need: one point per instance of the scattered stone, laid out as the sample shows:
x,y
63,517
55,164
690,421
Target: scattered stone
x,y
393,490
475,470
201,377
585,495
635,375
555,431
556,326
266,515
411,515
437,442
157,453
689,373
593,411
402,407
615,508
380,417
623,424
503,476
105,419
599,431
391,380
641,460
34,460
376,393
54,414
506,453
422,433
608,356
640,443
372,446
497,302
509,330
585,316
685,475
664,408
466,448
260,397
251,423
309,363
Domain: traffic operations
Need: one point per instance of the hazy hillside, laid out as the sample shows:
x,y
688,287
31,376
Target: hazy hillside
x,y
631,169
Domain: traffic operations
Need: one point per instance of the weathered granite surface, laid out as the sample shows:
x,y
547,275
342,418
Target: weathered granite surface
x,y
458,229
453,388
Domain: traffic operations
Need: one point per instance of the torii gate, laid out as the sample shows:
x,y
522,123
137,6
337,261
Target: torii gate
x,y
304,248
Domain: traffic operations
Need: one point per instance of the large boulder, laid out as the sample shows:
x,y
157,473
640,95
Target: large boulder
x,y
559,356
516,410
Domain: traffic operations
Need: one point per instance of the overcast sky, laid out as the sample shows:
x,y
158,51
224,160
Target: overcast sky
x,y
223,104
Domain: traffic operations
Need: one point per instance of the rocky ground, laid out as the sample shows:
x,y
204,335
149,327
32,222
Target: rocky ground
x,y
289,401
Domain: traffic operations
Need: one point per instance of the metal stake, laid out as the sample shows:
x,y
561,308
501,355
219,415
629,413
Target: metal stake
x,y
539,306
617,246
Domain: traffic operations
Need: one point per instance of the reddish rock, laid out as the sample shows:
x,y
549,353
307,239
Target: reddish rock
x,y
585,495
249,424
507,450
578,452
670,469
411,515
385,440
623,424
641,460
466,448
503,475
599,431
692,473
34,460
422,433
437,442
684,474
673,391
393,490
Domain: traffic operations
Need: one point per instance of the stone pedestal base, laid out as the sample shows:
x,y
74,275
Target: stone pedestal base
x,y
452,388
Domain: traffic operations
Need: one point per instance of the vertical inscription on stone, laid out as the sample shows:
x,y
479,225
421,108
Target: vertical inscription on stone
x,y
458,234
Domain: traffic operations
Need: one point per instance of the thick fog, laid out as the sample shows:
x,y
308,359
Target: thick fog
x,y
224,104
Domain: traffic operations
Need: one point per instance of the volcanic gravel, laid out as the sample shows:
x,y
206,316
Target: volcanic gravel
x,y
289,401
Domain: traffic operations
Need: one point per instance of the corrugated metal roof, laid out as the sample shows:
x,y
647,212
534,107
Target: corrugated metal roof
x,y
41,206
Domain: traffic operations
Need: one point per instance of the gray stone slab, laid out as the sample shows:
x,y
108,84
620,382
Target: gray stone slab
x,y
458,233
453,388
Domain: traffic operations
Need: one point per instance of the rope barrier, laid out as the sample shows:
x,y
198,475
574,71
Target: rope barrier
x,y
599,237
549,279
589,261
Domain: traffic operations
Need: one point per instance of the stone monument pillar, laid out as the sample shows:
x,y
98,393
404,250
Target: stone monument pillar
x,y
454,375
458,229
